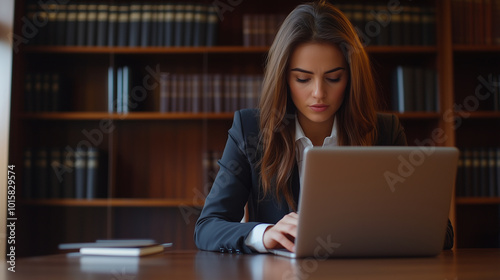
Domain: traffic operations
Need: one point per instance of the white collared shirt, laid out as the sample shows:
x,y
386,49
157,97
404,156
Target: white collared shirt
x,y
254,240
302,142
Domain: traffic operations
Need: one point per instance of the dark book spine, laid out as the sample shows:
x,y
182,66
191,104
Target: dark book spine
x,y
29,93
212,26
164,92
42,16
46,93
153,38
91,25
483,172
196,94
406,25
112,25
476,177
200,22
468,176
61,16
41,172
459,184
160,24
179,24
146,19
52,23
497,166
396,30
92,172
71,25
55,166
28,175
55,93
31,31
80,173
419,89
431,92
123,25
68,176
38,93
492,190
169,25
208,93
189,25
217,93
81,20
429,26
416,25
102,24
135,25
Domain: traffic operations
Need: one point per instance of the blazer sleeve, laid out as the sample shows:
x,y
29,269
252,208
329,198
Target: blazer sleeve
x,y
219,228
392,133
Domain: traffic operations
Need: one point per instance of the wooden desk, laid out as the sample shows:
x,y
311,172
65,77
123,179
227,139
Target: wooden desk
x,y
449,265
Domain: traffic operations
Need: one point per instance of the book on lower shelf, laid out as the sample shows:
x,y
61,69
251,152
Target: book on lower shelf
x,y
478,172
414,89
57,172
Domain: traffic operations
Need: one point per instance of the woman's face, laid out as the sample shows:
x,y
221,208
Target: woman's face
x,y
317,77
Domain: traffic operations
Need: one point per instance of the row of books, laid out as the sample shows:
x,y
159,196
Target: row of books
x,y
208,92
478,172
414,89
119,86
260,29
42,92
476,22
63,172
111,23
384,24
210,167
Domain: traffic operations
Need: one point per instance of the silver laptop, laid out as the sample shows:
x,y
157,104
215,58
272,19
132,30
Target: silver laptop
x,y
374,201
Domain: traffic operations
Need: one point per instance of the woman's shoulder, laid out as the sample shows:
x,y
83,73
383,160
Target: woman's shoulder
x,y
247,120
389,130
386,118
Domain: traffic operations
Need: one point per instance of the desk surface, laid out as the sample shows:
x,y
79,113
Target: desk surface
x,y
449,265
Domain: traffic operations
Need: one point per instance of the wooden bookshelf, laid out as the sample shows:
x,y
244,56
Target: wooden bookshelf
x,y
115,202
154,169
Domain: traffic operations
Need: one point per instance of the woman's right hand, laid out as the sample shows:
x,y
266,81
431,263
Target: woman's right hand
x,y
282,234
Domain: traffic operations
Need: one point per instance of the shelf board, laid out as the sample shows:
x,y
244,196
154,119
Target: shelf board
x,y
144,50
201,50
416,115
477,200
401,49
479,115
476,48
114,202
126,117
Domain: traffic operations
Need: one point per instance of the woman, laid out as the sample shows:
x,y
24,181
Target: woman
x,y
318,90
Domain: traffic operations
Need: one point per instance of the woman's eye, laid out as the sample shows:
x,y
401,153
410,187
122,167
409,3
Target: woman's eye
x,y
302,80
333,80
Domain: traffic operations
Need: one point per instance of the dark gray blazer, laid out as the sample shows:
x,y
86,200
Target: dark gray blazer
x,y
218,228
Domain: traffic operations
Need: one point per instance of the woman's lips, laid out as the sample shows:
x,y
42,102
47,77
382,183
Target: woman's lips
x,y
319,107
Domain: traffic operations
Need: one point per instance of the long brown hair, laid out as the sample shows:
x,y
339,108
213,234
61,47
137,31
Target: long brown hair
x,y
317,22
